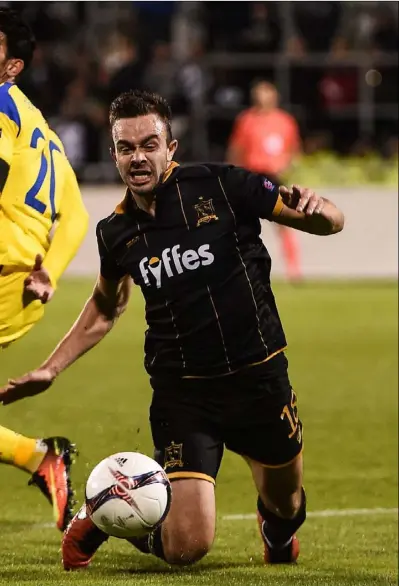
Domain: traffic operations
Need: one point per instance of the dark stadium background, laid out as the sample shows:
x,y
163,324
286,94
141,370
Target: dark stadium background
x,y
335,65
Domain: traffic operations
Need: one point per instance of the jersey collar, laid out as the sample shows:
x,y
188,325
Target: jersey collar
x,y
123,206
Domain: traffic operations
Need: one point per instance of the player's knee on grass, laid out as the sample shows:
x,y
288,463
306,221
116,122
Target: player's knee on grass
x,y
186,548
189,529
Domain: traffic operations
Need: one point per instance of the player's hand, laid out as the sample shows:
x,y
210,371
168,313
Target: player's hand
x,y
302,199
38,283
28,385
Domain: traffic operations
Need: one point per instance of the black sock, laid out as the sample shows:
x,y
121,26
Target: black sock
x,y
141,543
279,531
155,543
151,543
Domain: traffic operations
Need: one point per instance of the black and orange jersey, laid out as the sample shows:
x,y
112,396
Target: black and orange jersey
x,y
202,268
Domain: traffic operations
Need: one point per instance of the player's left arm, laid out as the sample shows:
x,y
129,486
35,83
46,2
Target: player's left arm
x,y
302,209
73,221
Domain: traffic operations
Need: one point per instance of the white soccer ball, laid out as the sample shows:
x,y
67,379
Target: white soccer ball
x,y
127,495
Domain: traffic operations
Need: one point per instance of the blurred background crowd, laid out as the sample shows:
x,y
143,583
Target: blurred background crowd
x,y
335,65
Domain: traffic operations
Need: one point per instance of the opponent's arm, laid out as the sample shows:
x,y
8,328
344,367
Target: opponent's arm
x,y
302,209
72,227
107,302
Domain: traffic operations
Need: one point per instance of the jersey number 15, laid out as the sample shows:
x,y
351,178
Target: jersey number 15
x,y
30,198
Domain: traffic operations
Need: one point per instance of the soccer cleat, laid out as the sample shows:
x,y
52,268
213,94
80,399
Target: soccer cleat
x,y
288,554
81,541
53,478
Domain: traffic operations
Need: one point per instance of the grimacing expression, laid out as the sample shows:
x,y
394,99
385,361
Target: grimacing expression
x,y
141,151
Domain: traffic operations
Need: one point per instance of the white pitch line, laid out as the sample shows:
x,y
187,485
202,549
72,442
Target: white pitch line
x,y
325,513
317,514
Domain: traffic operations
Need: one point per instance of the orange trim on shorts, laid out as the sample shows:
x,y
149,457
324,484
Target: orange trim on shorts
x,y
280,465
243,367
197,475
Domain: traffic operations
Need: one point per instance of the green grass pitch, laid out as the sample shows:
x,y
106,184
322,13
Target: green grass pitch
x,y
343,365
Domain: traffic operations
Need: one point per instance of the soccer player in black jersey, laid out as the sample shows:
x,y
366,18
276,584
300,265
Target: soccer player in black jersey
x,y
214,349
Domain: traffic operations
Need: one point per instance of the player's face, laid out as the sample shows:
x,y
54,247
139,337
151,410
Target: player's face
x,y
142,152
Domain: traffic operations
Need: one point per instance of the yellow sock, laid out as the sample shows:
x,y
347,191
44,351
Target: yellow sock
x,y
20,451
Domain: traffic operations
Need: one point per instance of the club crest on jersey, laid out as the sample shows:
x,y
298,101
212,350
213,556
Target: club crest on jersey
x,y
205,212
268,185
174,456
173,262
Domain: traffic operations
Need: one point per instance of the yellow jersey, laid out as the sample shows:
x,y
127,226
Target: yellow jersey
x,y
40,192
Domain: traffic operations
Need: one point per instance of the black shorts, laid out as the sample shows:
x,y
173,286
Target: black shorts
x,y
252,412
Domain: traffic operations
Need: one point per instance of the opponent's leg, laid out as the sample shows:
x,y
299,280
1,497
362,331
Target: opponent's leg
x,y
49,461
22,452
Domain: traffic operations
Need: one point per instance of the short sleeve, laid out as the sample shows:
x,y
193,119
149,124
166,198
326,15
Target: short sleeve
x,y
252,193
10,125
109,269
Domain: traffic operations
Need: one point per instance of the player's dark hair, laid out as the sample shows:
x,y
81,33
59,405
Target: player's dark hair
x,y
21,42
140,103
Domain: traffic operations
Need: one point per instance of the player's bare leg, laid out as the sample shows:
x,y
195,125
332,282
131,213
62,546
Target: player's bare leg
x,y
188,531
281,508
49,462
184,537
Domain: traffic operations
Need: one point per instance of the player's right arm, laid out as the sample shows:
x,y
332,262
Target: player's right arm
x,y
72,228
107,302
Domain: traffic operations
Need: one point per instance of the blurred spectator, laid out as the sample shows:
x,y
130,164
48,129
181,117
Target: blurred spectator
x,y
192,80
45,81
159,74
263,32
265,139
367,26
90,52
338,88
122,65
158,15
316,24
